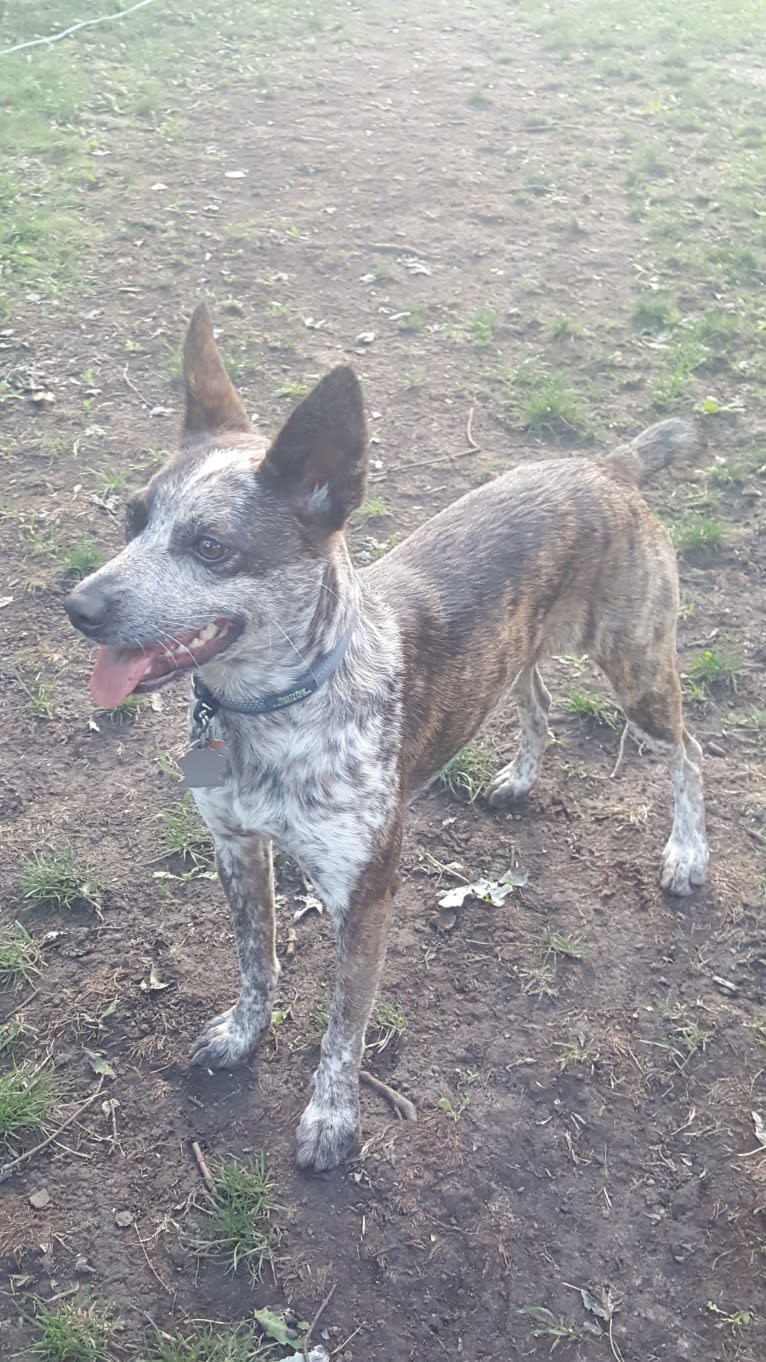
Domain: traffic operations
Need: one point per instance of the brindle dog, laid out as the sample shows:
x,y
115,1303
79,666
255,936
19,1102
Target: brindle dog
x,y
328,697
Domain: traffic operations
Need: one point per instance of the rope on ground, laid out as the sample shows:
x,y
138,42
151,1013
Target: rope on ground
x,y
67,32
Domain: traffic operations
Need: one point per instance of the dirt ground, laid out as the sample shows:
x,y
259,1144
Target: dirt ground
x,y
438,197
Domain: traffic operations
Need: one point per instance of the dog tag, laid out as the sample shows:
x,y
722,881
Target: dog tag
x,y
204,768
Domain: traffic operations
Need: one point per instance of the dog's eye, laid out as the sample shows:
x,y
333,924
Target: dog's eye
x,y
209,550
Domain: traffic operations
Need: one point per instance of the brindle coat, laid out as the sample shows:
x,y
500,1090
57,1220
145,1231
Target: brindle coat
x,y
559,556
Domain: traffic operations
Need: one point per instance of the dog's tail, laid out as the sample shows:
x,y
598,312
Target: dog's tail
x,y
653,449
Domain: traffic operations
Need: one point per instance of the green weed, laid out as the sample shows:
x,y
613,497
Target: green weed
x,y
388,1024
694,531
555,943
81,558
39,695
482,328
210,1345
593,709
710,670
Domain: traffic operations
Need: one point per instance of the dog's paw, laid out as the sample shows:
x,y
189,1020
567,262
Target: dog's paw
x,y
684,865
228,1040
512,783
326,1135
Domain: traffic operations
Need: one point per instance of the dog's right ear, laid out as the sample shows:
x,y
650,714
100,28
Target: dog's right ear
x,y
212,401
319,458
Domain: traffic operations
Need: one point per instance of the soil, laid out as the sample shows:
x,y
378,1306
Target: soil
x,y
600,1133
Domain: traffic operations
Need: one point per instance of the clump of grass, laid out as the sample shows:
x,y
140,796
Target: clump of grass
x,y
592,709
556,944
11,1033
374,508
542,402
184,834
389,1023
19,955
710,670
655,312
60,879
414,319
695,531
468,772
227,1345
239,1229
81,558
544,1324
482,328
562,327
39,695
72,1333
127,710
293,388
26,1099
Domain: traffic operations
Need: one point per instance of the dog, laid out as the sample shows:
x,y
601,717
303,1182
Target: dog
x,y
326,697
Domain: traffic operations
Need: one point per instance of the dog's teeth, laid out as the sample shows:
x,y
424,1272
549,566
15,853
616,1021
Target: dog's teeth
x,y
208,632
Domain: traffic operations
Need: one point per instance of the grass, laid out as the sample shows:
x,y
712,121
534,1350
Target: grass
x,y
210,1345
388,1024
72,1333
709,670
39,695
694,531
469,772
542,401
184,834
81,558
556,944
374,508
59,879
26,1099
19,955
482,328
239,1230
592,709
544,1324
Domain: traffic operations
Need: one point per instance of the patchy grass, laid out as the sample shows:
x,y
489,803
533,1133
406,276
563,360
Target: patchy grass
x,y
72,1333
26,1099
239,1229
542,401
482,328
387,1026
39,695
60,879
20,955
469,772
556,944
374,508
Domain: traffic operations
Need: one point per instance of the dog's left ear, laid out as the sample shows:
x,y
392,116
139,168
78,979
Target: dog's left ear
x,y
319,458
212,401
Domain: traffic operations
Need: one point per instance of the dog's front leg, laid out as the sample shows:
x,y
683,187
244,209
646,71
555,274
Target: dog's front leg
x,y
329,1126
245,871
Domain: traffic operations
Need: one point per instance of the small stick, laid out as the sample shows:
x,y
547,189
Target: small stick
x,y
316,1319
149,1262
402,1105
7,1168
132,386
468,432
425,463
207,1176
620,752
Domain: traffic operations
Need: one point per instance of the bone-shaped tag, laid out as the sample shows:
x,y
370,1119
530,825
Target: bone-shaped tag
x,y
204,768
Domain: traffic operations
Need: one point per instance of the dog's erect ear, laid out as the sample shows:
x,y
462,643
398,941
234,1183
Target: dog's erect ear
x,y
319,458
212,402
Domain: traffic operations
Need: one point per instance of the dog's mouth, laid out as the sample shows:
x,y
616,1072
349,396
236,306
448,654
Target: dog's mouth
x,y
118,672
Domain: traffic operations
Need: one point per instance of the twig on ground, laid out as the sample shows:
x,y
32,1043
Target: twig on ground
x,y
469,432
149,1262
315,1320
402,1105
207,1176
8,1168
129,381
84,23
620,752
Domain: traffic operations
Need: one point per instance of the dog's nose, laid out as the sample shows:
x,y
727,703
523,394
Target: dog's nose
x,y
87,608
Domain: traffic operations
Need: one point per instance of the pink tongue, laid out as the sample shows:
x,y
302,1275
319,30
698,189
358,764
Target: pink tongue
x,y
117,672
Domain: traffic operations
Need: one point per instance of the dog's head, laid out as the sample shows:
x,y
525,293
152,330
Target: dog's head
x,y
230,545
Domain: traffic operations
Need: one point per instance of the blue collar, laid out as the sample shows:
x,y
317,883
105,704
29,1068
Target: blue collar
x,y
208,704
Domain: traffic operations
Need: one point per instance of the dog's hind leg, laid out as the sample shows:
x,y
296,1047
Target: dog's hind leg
x,y
655,715
329,1127
245,871
533,702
